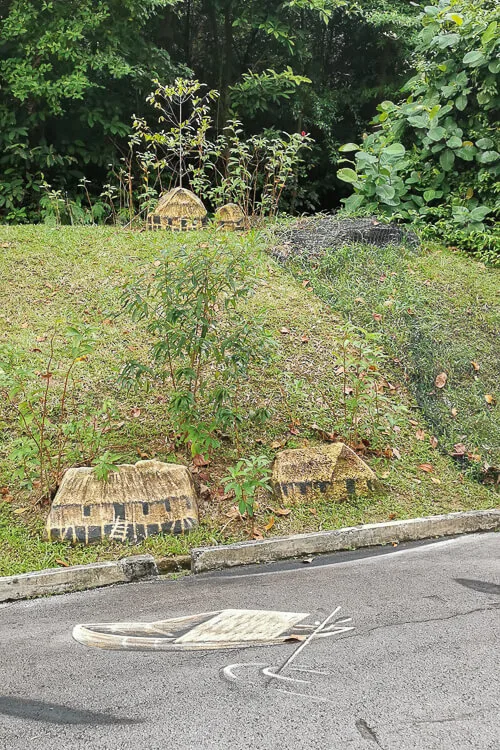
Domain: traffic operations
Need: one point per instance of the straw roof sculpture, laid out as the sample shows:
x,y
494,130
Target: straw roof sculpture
x,y
179,210
230,216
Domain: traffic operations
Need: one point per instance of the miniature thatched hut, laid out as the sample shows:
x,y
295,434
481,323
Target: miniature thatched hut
x,y
179,210
230,216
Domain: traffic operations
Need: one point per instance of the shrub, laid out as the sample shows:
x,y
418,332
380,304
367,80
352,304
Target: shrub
x,y
202,344
435,156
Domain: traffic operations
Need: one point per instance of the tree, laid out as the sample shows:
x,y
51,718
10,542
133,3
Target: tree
x,y
66,73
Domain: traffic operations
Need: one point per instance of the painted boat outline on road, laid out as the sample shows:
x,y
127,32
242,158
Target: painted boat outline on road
x,y
221,629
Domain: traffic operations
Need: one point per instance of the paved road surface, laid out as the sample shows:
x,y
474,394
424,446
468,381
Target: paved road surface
x,y
419,672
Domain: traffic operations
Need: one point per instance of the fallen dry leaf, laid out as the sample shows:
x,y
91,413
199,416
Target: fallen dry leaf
x,y
135,412
282,511
304,338
454,412
396,453
426,467
256,534
384,475
284,330
271,523
392,516
440,380
420,435
18,511
459,449
435,480
433,441
277,444
200,460
475,366
377,317
313,511
491,400
63,563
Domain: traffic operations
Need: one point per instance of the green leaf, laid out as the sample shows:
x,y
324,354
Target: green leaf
x,y
446,40
385,192
461,102
474,58
395,149
454,142
349,147
490,33
347,175
457,18
479,213
494,66
487,157
447,160
467,153
353,202
419,121
484,143
436,134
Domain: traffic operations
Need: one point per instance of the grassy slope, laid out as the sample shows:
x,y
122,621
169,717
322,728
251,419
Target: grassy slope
x,y
438,312
48,275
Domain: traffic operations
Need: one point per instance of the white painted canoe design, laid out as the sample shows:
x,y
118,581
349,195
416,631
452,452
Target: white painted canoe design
x,y
223,629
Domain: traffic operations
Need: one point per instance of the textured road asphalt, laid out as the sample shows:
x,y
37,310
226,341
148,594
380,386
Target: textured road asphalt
x,y
420,671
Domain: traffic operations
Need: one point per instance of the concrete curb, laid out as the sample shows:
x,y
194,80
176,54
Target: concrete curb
x,y
76,578
204,559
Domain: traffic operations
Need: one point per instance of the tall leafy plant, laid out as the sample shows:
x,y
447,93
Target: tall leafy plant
x,y
435,155
202,344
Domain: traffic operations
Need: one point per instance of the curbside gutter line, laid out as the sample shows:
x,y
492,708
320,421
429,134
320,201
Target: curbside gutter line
x,y
204,559
76,578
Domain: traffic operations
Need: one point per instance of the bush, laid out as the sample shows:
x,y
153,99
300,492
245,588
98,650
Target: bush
x,y
435,156
202,345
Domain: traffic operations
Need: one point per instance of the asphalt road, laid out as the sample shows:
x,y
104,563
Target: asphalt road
x,y
420,670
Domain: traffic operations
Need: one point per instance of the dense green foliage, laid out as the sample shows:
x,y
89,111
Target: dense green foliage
x,y
72,78
435,156
66,77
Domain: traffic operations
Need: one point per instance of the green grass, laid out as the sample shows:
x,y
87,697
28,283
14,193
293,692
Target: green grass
x,y
51,276
439,312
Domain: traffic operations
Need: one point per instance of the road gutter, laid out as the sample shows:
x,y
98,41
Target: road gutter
x,y
204,559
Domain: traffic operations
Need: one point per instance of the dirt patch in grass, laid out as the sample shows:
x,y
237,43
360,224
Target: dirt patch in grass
x,y
74,274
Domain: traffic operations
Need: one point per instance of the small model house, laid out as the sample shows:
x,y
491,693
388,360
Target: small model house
x,y
178,210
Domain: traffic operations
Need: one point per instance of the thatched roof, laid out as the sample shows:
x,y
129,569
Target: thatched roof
x,y
229,212
180,203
